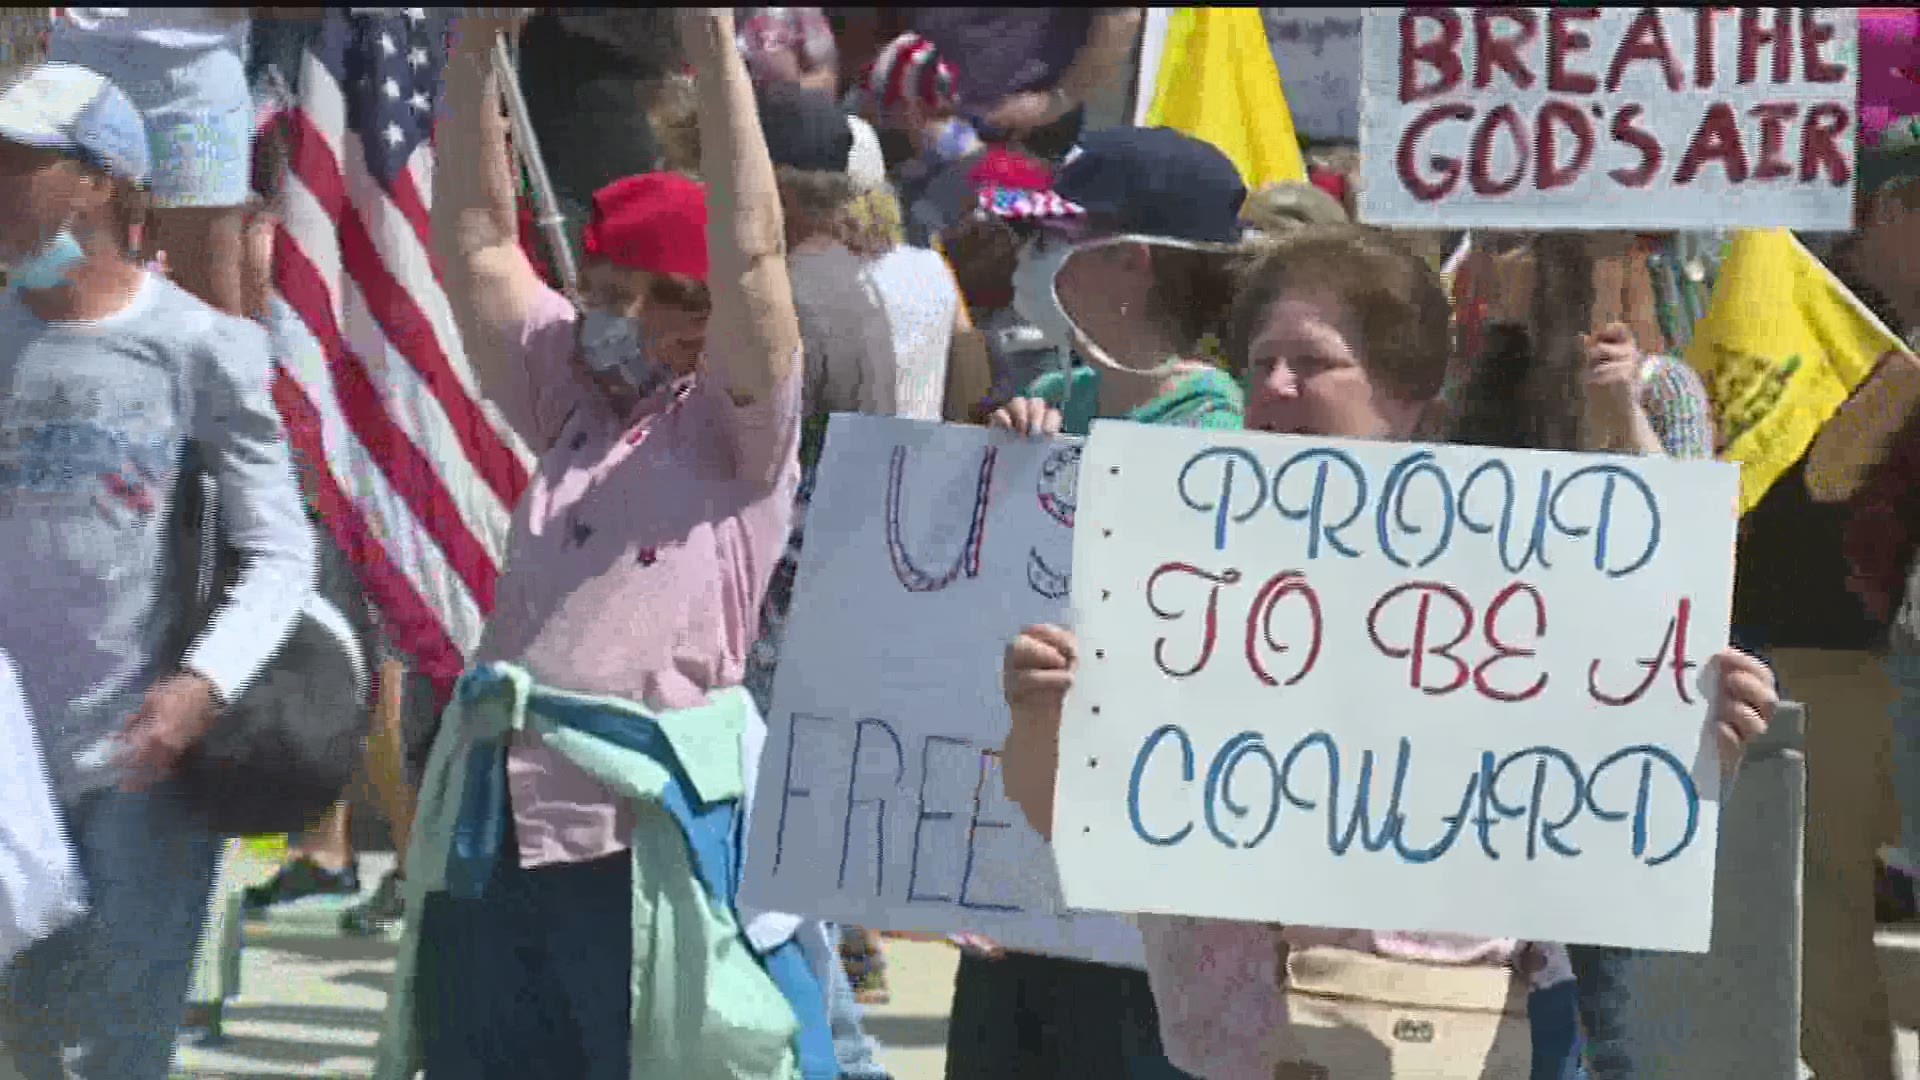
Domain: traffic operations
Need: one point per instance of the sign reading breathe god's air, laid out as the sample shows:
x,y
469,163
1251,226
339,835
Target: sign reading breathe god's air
x,y
1396,687
1597,118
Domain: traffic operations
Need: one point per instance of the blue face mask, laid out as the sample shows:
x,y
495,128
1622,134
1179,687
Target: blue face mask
x,y
612,345
48,267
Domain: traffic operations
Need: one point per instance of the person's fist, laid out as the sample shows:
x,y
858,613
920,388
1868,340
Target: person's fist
x,y
1031,417
1038,667
1744,706
1613,370
1035,675
174,716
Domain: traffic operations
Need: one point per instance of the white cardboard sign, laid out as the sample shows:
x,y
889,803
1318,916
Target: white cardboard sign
x,y
879,800
1318,53
1608,118
1395,686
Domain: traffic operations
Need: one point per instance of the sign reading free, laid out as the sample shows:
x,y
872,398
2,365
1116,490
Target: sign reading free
x,y
1608,118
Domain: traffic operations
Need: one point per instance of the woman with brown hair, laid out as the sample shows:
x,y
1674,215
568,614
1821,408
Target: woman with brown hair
x,y
1339,332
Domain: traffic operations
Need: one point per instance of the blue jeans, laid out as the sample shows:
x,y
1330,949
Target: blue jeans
x,y
114,984
852,1046
1605,974
1903,668
1553,1019
531,979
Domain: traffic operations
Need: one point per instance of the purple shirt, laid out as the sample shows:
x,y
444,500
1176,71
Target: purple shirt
x,y
1000,51
637,559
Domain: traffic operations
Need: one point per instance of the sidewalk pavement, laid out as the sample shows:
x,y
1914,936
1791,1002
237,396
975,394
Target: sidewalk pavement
x,y
311,1000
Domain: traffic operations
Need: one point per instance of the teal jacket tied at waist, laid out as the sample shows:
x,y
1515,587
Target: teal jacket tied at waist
x,y
707,1013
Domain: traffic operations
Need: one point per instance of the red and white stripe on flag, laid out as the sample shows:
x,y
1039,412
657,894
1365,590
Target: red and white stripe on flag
x,y
414,475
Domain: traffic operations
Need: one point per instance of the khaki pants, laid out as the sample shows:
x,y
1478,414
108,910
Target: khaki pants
x,y
1845,1029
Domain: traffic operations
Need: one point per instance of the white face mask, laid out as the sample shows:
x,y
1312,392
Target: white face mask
x,y
1033,293
612,345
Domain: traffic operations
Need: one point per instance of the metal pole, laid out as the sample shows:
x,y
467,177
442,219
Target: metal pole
x,y
546,208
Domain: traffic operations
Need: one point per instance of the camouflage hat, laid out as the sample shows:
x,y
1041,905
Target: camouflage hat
x,y
1290,204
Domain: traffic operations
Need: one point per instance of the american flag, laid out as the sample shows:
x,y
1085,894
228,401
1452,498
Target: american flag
x,y
415,477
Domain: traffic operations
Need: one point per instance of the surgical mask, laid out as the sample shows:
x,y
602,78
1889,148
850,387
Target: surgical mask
x,y
48,267
1033,295
611,345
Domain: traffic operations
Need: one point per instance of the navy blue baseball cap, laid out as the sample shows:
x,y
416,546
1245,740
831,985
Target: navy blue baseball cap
x,y
1154,182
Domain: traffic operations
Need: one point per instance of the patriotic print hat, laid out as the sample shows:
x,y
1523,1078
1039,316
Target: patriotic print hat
x,y
909,71
1014,187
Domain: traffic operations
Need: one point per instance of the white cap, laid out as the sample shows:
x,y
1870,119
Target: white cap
x,y
866,164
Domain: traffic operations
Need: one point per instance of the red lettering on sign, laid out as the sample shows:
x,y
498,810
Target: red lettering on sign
x,y
1421,646
1480,155
1441,53
1645,39
1406,157
1672,656
1754,37
1491,51
1627,130
1814,34
1555,116
1774,117
1705,42
1563,41
1260,624
1503,651
1211,627
1717,139
1821,143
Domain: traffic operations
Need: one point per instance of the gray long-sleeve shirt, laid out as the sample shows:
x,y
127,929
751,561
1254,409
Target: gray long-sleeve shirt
x,y
93,418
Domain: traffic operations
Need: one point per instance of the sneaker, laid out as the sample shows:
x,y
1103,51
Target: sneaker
x,y
381,912
299,879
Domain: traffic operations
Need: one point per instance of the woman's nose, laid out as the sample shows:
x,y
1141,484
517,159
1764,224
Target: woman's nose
x,y
1279,382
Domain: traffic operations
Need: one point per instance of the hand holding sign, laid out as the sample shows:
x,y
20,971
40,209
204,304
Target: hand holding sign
x,y
1031,417
1743,708
1036,675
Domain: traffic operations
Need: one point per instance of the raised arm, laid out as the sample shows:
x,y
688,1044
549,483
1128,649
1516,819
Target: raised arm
x,y
753,336
490,285
1099,61
1857,439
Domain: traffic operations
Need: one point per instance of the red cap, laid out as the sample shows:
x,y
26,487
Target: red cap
x,y
1000,167
656,222
1330,182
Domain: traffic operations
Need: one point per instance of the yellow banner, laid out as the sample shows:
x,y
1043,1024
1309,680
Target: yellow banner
x,y
1217,82
1782,347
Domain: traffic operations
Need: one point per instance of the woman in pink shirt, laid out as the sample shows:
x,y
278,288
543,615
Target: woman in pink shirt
x,y
1218,984
664,413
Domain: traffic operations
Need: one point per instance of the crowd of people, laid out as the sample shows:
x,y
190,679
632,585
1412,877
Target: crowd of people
x,y
780,214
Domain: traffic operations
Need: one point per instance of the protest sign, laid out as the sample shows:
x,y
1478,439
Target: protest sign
x,y
1395,686
1608,118
1318,53
879,800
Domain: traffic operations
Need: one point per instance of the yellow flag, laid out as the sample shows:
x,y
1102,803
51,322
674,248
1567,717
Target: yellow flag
x,y
1782,347
1217,82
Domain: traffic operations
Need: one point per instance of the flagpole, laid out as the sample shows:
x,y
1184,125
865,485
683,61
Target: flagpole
x,y
546,208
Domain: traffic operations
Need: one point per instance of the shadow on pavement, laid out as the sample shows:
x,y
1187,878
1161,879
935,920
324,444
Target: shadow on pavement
x,y
906,1030
324,1016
